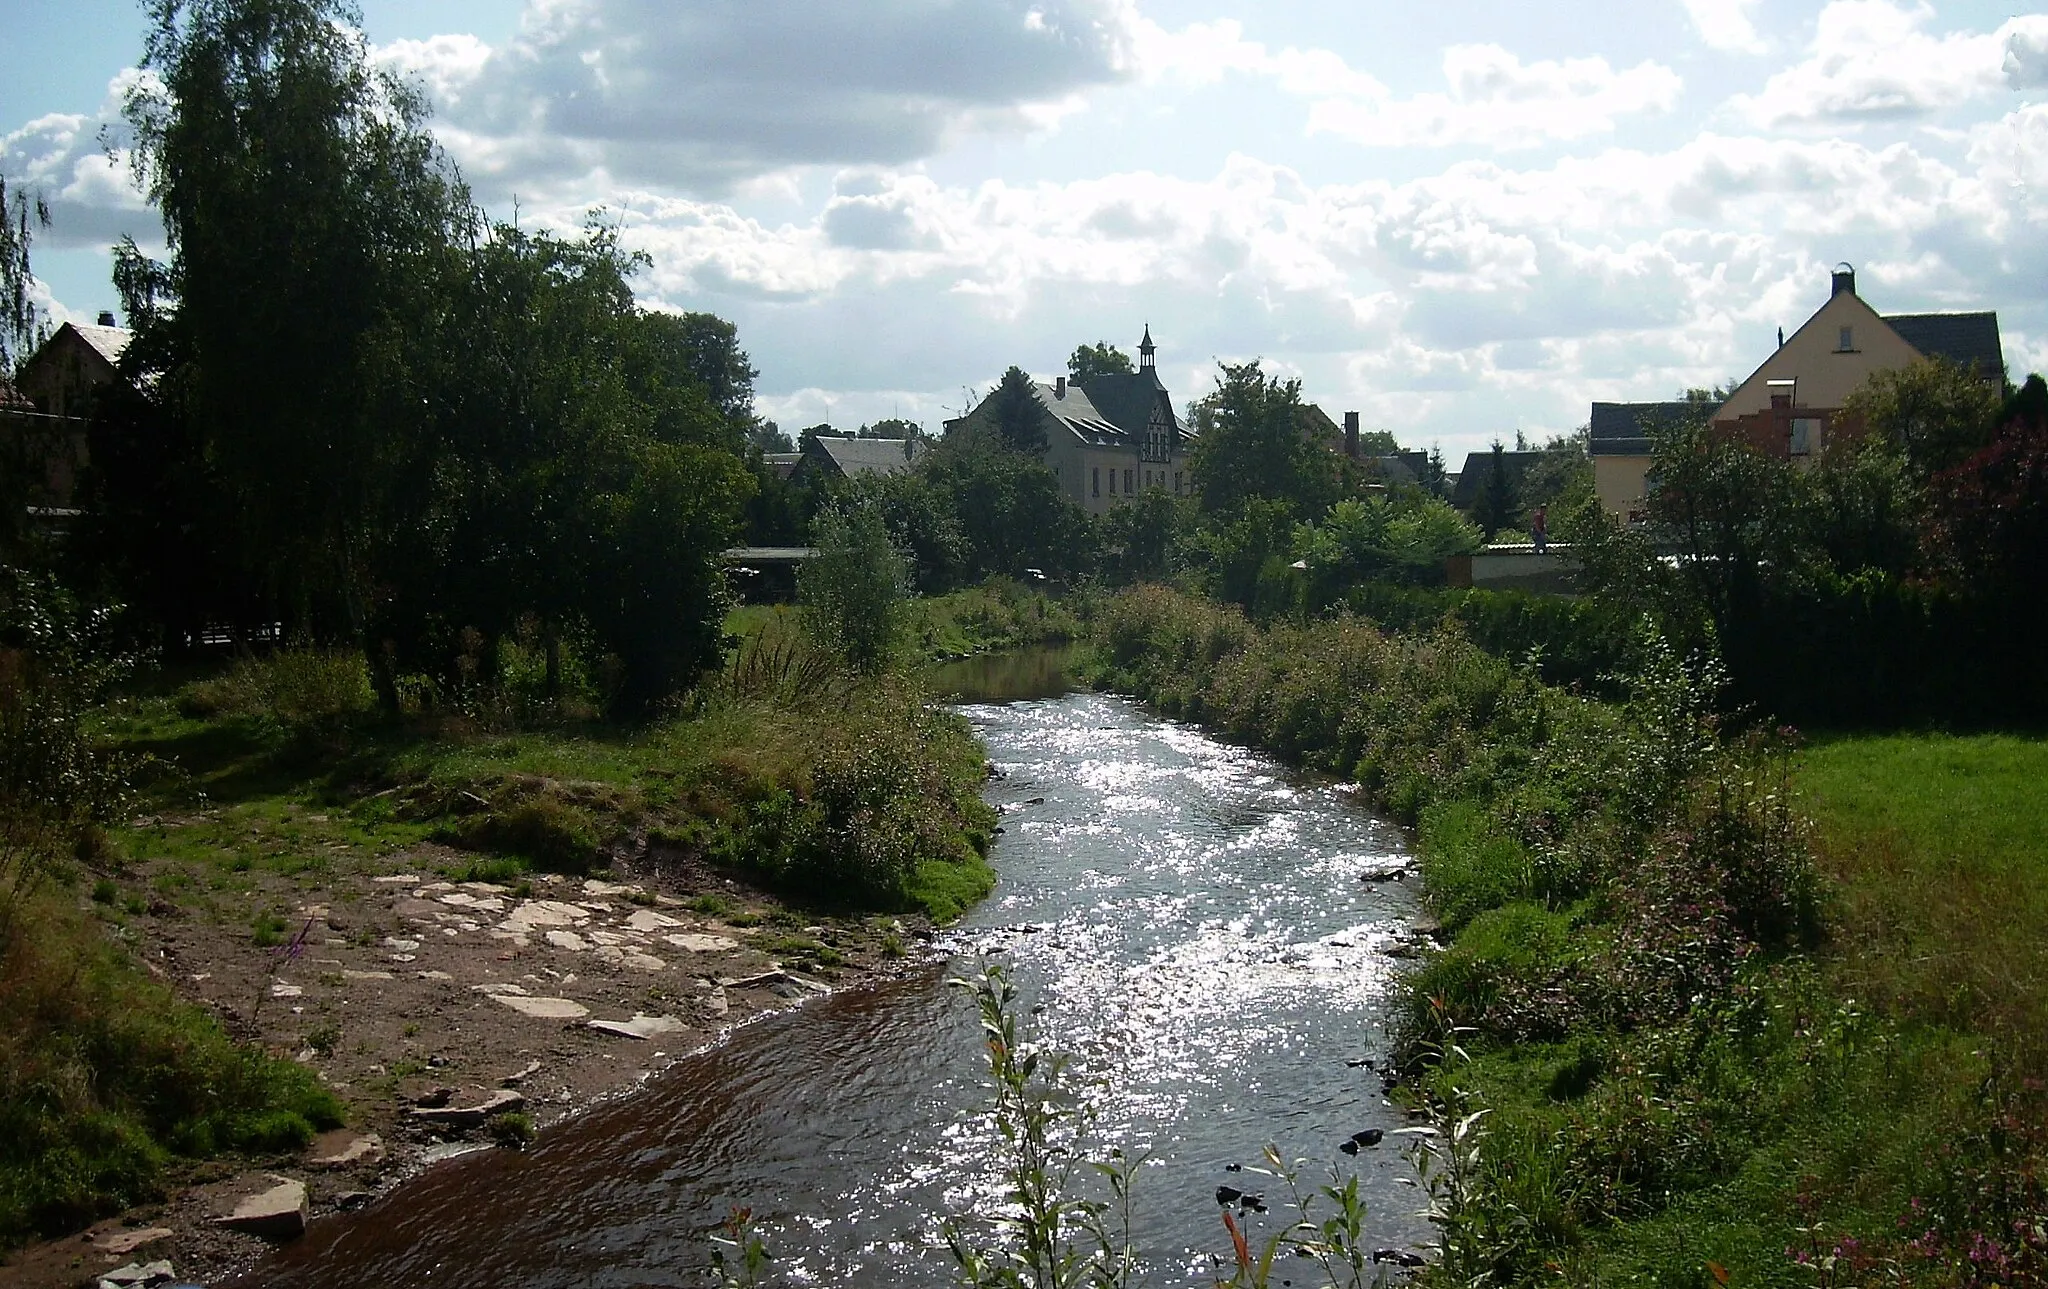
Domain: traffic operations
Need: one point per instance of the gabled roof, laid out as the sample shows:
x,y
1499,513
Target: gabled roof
x,y
111,342
1077,412
1126,399
1623,429
1967,339
866,456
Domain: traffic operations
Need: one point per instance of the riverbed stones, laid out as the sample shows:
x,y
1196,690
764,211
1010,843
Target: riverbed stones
x,y
276,1214
644,920
697,942
122,1243
544,1008
137,1274
564,939
367,1148
641,1027
504,1101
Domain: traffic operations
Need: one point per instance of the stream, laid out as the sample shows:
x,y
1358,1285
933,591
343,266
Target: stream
x,y
1184,917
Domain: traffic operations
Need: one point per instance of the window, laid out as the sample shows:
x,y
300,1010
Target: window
x,y
1176,483
1848,338
1095,481
1112,481
1127,480
1805,435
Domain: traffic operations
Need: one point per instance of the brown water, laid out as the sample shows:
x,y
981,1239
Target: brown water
x,y
1187,917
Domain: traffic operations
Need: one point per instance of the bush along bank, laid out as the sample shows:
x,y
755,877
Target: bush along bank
x,y
1636,1043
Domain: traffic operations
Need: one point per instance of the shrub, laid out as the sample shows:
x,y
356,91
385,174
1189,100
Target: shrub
x,y
298,688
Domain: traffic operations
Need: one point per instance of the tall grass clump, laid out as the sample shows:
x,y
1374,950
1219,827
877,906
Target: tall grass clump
x,y
1660,1077
104,1075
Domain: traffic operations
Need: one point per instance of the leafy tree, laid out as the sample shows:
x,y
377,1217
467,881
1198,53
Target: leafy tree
x,y
922,525
1011,513
1018,419
1098,359
853,591
766,436
311,224
1253,448
1242,555
1561,476
1144,540
679,360
1990,514
21,322
1378,443
1402,538
1936,412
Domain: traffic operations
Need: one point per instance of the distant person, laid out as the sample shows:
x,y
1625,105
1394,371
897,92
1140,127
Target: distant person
x,y
1539,530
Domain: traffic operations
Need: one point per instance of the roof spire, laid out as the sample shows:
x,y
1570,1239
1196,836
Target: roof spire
x,y
1146,349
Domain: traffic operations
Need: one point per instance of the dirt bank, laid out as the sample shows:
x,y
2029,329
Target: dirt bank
x,y
451,1014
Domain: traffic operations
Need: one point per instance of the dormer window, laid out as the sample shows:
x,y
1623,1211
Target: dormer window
x,y
1847,342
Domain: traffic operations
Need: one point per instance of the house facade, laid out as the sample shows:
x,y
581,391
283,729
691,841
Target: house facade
x,y
1791,405
1108,438
47,419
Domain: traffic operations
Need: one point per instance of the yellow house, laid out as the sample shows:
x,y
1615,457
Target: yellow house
x,y
1789,406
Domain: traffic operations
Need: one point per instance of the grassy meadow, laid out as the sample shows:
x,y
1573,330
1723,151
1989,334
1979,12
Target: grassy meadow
x,y
1937,845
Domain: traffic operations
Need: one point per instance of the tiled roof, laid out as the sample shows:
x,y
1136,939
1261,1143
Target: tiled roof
x,y
109,341
1078,413
1623,429
867,456
1126,399
1970,339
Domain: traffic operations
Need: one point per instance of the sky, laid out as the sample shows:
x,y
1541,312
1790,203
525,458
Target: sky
x,y
1462,220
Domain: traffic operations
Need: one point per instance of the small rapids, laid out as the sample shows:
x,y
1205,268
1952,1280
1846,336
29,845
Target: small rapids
x,y
1184,917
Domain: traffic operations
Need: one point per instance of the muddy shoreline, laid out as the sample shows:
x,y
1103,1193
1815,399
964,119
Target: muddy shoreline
x,y
454,1015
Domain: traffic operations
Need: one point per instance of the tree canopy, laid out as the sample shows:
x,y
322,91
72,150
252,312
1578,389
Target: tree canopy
x,y
1252,445
1098,359
1018,419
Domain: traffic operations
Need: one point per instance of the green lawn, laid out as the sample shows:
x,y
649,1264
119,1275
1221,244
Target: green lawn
x,y
1939,847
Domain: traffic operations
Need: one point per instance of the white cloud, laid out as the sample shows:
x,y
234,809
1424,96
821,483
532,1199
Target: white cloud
x,y
1874,60
1492,100
79,163
706,94
1726,24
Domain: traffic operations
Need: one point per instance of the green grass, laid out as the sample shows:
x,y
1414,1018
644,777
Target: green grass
x,y
1938,846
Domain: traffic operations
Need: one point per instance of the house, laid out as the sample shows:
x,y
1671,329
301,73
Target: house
x,y
838,458
1618,442
1790,406
1109,437
60,384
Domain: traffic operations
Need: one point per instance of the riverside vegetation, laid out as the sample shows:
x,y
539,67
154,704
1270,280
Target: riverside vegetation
x,y
1651,1026
840,790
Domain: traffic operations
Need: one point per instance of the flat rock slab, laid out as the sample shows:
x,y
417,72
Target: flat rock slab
x,y
695,943
119,1243
473,1116
276,1214
366,1147
622,956
138,1273
649,920
539,913
568,940
641,1027
544,1008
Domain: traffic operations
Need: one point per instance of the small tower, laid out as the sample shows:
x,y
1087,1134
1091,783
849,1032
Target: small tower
x,y
1146,349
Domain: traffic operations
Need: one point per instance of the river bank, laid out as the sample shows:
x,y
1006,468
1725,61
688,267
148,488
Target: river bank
x,y
1187,921
459,927
1655,1053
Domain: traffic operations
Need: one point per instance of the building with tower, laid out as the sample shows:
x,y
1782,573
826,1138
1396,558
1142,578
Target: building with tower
x,y
1109,437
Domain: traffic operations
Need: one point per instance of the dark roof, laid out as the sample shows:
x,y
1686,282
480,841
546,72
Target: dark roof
x,y
1968,339
853,457
1126,399
1400,467
1623,429
1479,469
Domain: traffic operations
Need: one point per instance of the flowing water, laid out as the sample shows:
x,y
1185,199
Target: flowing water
x,y
1184,917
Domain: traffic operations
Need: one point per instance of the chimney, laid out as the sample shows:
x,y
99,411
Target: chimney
x,y
1351,435
1845,279
1059,387
107,318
